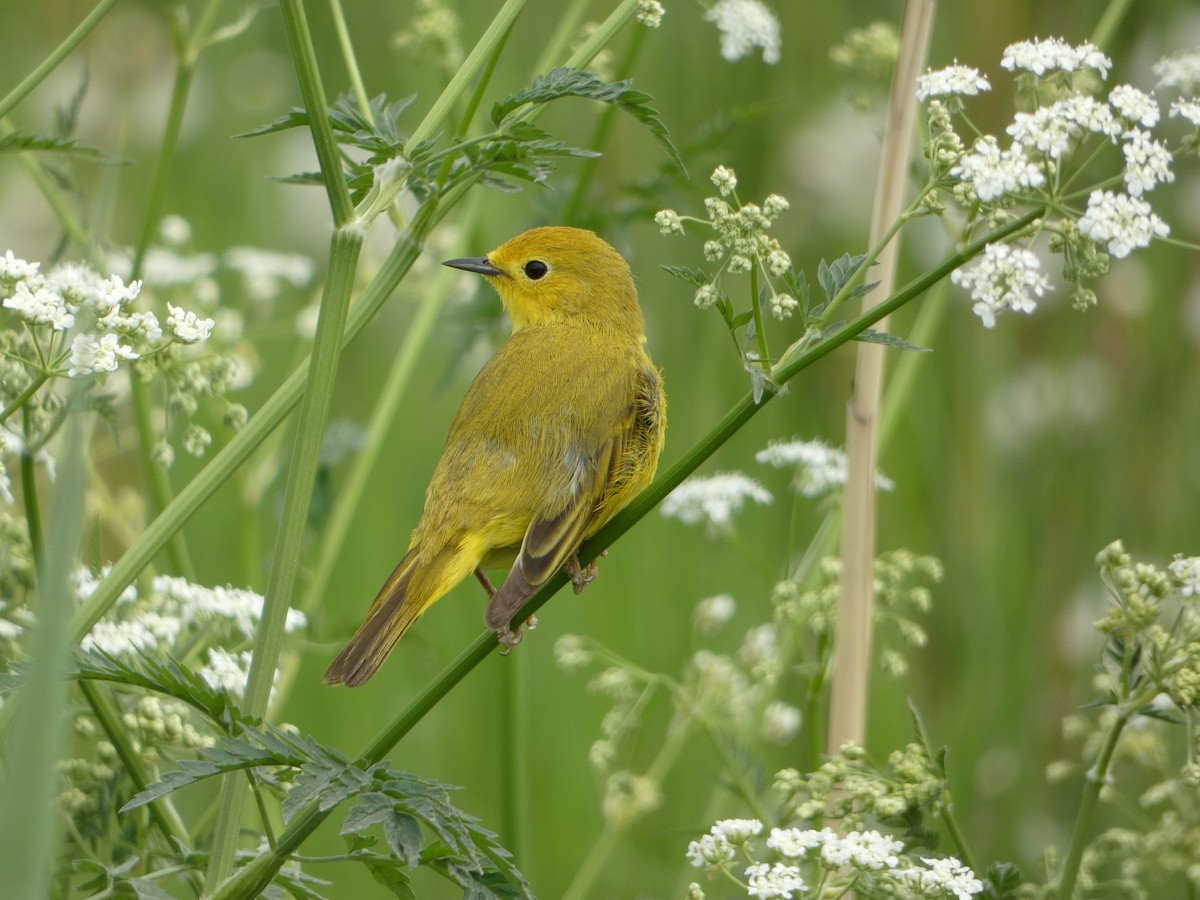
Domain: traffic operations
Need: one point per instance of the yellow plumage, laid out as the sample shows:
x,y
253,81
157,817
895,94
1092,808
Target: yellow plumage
x,y
560,429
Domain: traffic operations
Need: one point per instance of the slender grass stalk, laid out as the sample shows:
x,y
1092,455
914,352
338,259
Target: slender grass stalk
x,y
29,494
1097,776
250,880
52,60
564,32
852,634
349,58
29,815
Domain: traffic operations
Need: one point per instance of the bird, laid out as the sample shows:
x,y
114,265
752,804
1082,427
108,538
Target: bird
x,y
560,429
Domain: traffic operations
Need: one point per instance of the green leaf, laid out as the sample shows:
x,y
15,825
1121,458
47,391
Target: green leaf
x,y
18,141
388,873
695,277
833,276
566,82
871,336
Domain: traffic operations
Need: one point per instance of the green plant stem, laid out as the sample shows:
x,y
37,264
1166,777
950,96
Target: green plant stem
x,y
1096,778
23,397
600,134
157,480
593,864
51,62
162,811
29,495
51,191
1109,22
348,56
760,334
564,32
602,35
251,879
476,59
28,811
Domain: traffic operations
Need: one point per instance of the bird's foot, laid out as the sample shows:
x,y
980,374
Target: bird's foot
x,y
486,582
510,637
581,576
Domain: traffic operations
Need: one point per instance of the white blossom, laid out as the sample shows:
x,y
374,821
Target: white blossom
x,y
186,326
744,25
725,180
780,722
782,305
13,268
1147,162
668,222
713,612
821,468
865,850
1181,71
1134,105
266,271
1050,129
650,13
39,305
91,355
1186,570
954,80
713,499
1042,56
711,851
795,843
1004,278
1189,109
944,876
1121,223
994,173
779,880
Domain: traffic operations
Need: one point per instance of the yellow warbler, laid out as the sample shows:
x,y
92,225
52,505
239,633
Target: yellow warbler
x,y
560,429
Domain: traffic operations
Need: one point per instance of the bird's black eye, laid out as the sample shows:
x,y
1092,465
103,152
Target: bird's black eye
x,y
535,269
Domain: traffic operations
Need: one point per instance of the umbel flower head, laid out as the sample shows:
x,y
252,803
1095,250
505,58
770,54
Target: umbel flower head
x,y
1037,163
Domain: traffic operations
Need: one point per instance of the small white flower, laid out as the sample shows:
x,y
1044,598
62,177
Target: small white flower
x,y
738,264
711,851
993,172
1181,71
39,305
227,670
1051,129
668,222
821,468
944,876
266,272
13,268
1147,162
778,880
865,850
1004,278
706,296
650,13
778,262
1042,56
1120,222
782,305
570,652
713,250
744,25
773,207
953,80
1186,570
175,230
737,831
759,650
1134,105
91,356
1189,109
187,327
780,723
725,180
795,843
713,499
713,612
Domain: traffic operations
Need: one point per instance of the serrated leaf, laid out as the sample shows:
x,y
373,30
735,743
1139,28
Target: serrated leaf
x,y
161,675
871,336
567,82
19,141
392,877
694,277
833,276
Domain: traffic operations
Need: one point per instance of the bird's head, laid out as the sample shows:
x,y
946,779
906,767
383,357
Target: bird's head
x,y
556,274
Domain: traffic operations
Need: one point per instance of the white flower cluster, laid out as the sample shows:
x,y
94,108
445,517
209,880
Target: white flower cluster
x,y
175,613
745,25
742,242
820,468
73,295
713,499
846,860
1180,72
650,13
1035,167
1006,277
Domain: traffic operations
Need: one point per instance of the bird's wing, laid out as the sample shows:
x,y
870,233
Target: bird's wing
x,y
550,540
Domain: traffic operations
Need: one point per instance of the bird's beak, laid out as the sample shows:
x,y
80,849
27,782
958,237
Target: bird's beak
x,y
477,264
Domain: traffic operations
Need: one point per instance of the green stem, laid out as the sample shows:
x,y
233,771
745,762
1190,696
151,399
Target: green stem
x,y
50,63
253,878
1109,22
600,134
162,811
345,245
1096,778
28,811
352,70
23,397
29,497
568,26
760,333
157,479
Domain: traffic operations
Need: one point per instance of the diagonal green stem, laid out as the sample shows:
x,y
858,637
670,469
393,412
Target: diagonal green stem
x,y
254,877
50,63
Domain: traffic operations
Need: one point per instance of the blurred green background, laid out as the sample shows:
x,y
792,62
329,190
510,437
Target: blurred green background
x,y
1024,450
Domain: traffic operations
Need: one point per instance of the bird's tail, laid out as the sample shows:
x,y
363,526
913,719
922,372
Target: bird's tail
x,y
411,589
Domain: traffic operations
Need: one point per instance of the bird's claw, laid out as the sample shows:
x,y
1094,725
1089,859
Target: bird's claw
x,y
582,576
510,637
